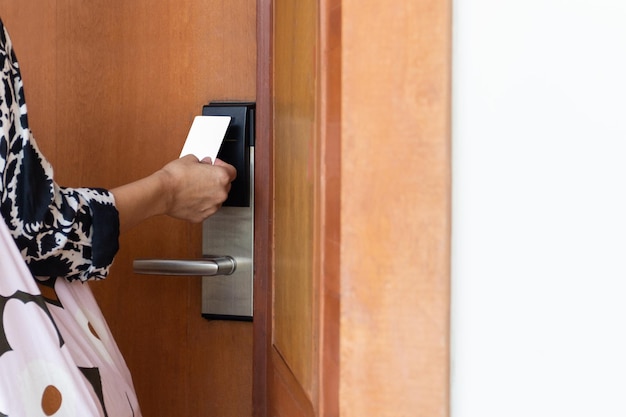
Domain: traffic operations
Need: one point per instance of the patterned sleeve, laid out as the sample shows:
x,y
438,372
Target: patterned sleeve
x,y
60,232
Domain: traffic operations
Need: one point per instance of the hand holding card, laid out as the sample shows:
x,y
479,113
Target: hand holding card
x,y
205,137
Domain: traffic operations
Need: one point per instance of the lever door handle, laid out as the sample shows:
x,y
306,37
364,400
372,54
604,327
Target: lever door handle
x,y
207,266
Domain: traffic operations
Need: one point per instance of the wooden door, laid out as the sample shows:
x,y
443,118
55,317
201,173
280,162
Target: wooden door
x,y
298,153
356,122
112,87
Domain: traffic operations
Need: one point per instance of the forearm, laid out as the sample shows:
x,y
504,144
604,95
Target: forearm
x,y
142,199
184,189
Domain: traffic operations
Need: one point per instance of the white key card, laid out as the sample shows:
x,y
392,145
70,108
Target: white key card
x,y
205,137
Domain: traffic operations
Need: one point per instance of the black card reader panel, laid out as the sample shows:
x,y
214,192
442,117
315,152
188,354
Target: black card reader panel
x,y
236,146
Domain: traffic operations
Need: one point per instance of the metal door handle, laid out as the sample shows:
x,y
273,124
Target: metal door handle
x,y
207,266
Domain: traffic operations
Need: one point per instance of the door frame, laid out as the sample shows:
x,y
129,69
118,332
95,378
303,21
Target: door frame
x,y
263,191
326,243
428,278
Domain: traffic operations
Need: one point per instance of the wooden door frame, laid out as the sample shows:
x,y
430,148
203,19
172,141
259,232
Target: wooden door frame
x,y
431,34
263,191
327,218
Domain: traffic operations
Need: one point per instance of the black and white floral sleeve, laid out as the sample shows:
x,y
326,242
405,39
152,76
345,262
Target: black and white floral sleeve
x,y
60,232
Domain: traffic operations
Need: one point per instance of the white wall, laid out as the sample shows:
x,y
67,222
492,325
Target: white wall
x,y
539,208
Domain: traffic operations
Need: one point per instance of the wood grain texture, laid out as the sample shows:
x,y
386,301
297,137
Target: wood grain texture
x,y
263,213
395,216
329,201
112,88
288,397
295,169
303,357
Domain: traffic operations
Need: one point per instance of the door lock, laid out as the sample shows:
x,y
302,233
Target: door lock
x,y
227,280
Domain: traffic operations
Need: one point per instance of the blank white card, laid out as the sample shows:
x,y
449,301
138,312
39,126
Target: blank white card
x,y
205,137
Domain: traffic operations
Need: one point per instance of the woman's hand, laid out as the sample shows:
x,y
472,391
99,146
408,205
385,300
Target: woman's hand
x,y
185,188
196,189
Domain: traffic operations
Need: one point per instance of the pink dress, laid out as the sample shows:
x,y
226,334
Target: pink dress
x,y
57,355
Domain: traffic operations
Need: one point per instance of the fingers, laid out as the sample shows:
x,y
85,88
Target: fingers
x,y
189,158
232,172
198,187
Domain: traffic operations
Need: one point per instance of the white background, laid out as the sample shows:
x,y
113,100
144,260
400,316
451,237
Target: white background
x,y
539,208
